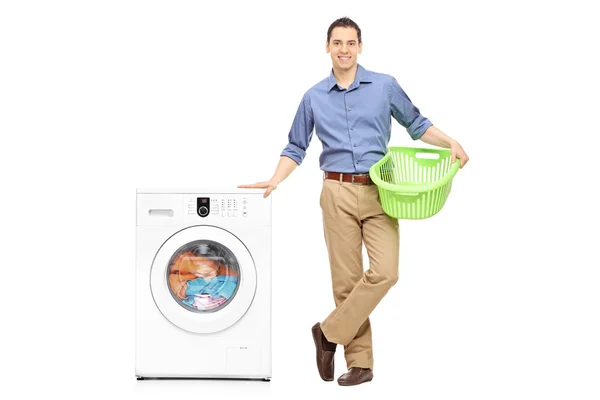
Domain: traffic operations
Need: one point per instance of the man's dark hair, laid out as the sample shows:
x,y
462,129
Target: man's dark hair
x,y
344,22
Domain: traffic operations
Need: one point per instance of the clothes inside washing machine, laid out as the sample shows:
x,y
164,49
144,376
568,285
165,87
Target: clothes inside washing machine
x,y
203,276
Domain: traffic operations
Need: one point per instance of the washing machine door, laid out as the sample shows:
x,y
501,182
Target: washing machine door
x,y
203,279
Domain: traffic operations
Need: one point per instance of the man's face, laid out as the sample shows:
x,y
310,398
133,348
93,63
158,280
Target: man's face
x,y
344,47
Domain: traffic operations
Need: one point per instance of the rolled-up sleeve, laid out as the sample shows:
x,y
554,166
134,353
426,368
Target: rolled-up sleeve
x,y
301,132
405,112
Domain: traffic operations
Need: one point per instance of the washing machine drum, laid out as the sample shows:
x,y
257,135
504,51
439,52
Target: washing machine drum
x,y
203,279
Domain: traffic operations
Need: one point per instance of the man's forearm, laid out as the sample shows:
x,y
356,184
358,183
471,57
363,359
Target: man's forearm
x,y
284,169
436,137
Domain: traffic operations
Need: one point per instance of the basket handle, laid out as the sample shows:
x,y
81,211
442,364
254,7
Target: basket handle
x,y
430,156
407,194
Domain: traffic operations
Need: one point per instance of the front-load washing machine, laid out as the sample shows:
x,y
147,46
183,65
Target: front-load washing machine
x,y
203,284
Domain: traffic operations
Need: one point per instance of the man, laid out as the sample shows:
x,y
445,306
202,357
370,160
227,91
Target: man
x,y
351,112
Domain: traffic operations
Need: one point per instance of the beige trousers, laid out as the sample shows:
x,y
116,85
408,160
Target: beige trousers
x,y
353,214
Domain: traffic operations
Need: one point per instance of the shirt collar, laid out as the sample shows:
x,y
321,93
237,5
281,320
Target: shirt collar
x,y
362,76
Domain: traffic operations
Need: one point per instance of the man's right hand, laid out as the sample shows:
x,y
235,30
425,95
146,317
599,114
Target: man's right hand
x,y
270,186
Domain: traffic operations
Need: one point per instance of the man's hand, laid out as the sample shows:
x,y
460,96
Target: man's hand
x,y
458,152
270,186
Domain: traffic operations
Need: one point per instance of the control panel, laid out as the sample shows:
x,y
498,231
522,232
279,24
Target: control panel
x,y
218,206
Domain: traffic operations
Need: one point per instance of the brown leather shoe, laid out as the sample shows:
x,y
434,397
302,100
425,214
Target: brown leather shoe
x,y
355,376
325,353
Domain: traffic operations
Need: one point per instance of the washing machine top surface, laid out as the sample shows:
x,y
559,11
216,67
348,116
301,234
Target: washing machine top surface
x,y
202,190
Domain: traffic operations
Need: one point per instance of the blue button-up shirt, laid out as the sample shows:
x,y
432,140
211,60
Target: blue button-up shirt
x,y
354,124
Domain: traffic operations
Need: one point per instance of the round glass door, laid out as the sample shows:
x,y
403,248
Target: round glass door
x,y
203,279
203,276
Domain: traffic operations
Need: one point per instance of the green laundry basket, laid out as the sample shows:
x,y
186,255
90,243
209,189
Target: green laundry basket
x,y
414,183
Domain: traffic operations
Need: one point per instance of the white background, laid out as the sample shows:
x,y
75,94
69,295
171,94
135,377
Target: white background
x,y
498,294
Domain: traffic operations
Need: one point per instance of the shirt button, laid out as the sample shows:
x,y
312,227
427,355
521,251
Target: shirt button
x,y
354,144
351,129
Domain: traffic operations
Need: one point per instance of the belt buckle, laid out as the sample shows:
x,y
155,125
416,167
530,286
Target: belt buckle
x,y
353,179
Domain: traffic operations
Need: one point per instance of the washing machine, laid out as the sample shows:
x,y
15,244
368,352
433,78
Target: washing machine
x,y
203,284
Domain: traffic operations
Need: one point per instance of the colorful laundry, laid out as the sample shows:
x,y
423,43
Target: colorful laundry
x,y
220,286
188,266
207,302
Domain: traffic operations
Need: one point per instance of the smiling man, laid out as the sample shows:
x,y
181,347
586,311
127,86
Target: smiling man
x,y
351,113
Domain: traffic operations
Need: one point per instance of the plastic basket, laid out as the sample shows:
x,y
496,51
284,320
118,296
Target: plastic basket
x,y
414,183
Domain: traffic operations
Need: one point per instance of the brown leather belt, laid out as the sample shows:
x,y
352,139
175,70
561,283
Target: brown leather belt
x,y
358,179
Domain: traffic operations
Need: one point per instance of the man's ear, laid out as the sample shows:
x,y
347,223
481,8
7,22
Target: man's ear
x,y
360,48
327,47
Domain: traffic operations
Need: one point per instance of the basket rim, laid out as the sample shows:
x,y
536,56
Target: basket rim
x,y
413,187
